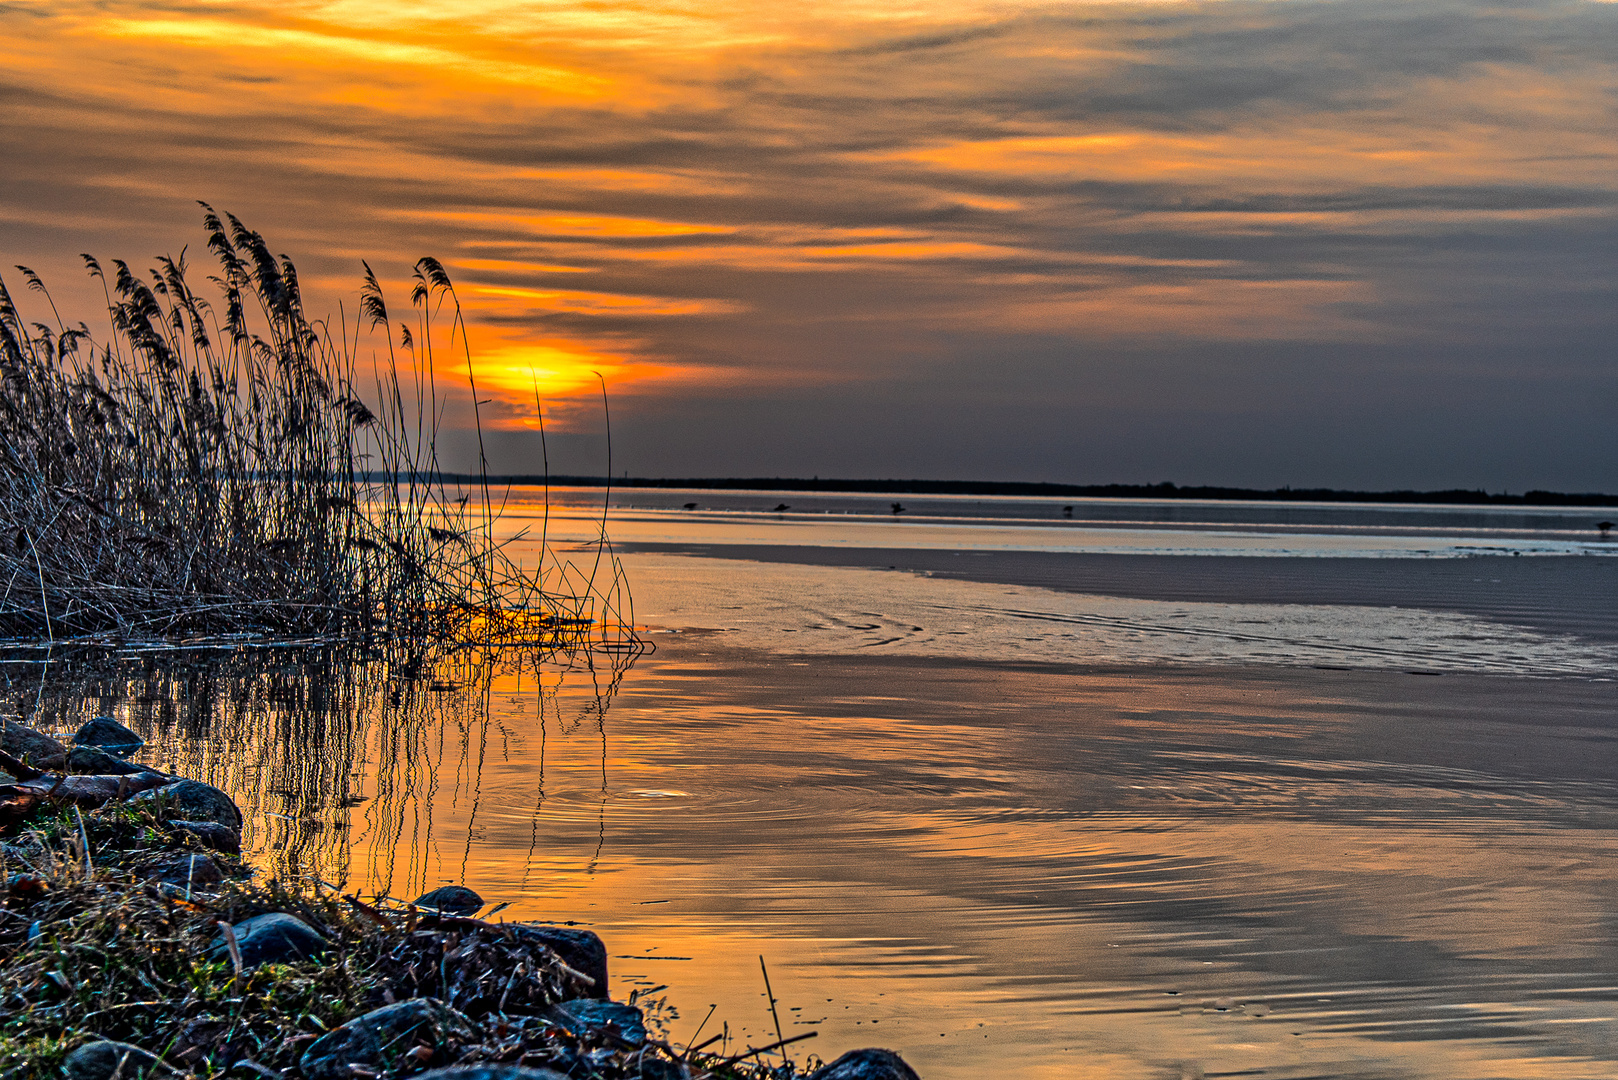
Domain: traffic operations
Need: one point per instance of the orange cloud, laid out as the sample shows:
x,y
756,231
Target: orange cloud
x,y
518,266
659,181
337,46
604,303
606,226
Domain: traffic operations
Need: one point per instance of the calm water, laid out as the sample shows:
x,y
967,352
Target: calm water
x,y
1156,791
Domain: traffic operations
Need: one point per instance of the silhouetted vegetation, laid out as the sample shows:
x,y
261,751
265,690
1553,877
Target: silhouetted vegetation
x,y
232,466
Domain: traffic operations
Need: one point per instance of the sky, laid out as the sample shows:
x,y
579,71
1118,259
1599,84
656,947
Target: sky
x,y
1353,243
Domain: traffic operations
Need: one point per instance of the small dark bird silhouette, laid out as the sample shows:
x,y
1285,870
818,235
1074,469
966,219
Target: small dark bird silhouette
x,y
783,507
690,506
1604,526
1067,511
898,508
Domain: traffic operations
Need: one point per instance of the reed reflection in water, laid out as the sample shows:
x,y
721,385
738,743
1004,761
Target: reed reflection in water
x,y
349,764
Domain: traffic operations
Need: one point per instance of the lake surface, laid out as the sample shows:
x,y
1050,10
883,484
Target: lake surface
x,y
1156,790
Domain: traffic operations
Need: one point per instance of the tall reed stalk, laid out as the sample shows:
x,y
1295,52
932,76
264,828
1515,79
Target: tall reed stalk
x,y
231,466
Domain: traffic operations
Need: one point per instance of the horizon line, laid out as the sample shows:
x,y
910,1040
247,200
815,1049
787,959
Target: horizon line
x,y
1163,490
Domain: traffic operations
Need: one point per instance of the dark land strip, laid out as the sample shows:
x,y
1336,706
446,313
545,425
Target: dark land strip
x,y
1166,490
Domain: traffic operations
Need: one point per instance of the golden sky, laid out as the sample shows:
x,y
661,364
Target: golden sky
x,y
1079,241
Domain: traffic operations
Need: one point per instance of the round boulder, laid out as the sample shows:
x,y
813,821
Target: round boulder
x,y
192,800
28,745
275,938
451,900
379,1040
108,734
869,1064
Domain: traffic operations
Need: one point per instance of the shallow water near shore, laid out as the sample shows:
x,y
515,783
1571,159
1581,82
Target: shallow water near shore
x,y
1038,832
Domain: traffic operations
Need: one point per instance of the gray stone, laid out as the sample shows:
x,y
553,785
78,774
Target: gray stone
x,y
108,734
452,900
182,871
101,1061
867,1065
489,1072
94,760
579,949
589,1015
381,1039
192,800
211,834
275,938
34,747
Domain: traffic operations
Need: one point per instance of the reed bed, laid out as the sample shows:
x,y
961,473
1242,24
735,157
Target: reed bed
x,y
226,466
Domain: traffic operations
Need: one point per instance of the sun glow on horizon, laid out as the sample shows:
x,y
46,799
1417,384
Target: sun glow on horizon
x,y
519,372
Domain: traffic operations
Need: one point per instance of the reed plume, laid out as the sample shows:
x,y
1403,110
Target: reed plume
x,y
226,464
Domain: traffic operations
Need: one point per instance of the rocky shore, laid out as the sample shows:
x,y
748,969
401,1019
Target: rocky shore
x,y
134,942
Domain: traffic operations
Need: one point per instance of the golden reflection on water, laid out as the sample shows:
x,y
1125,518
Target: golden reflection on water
x,y
997,870
338,758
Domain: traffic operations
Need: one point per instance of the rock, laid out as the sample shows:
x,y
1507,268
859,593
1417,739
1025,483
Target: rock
x,y
90,790
579,949
108,734
35,747
211,834
867,1065
384,1039
581,1015
93,759
452,900
489,1072
183,871
276,938
101,1061
192,800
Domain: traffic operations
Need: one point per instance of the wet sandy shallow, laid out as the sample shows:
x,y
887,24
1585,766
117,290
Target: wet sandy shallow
x,y
1329,612
1560,595
1029,870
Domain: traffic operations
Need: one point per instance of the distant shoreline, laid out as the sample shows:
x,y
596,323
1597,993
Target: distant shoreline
x,y
1450,497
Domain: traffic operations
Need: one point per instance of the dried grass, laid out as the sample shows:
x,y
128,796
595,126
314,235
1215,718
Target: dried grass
x,y
230,467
